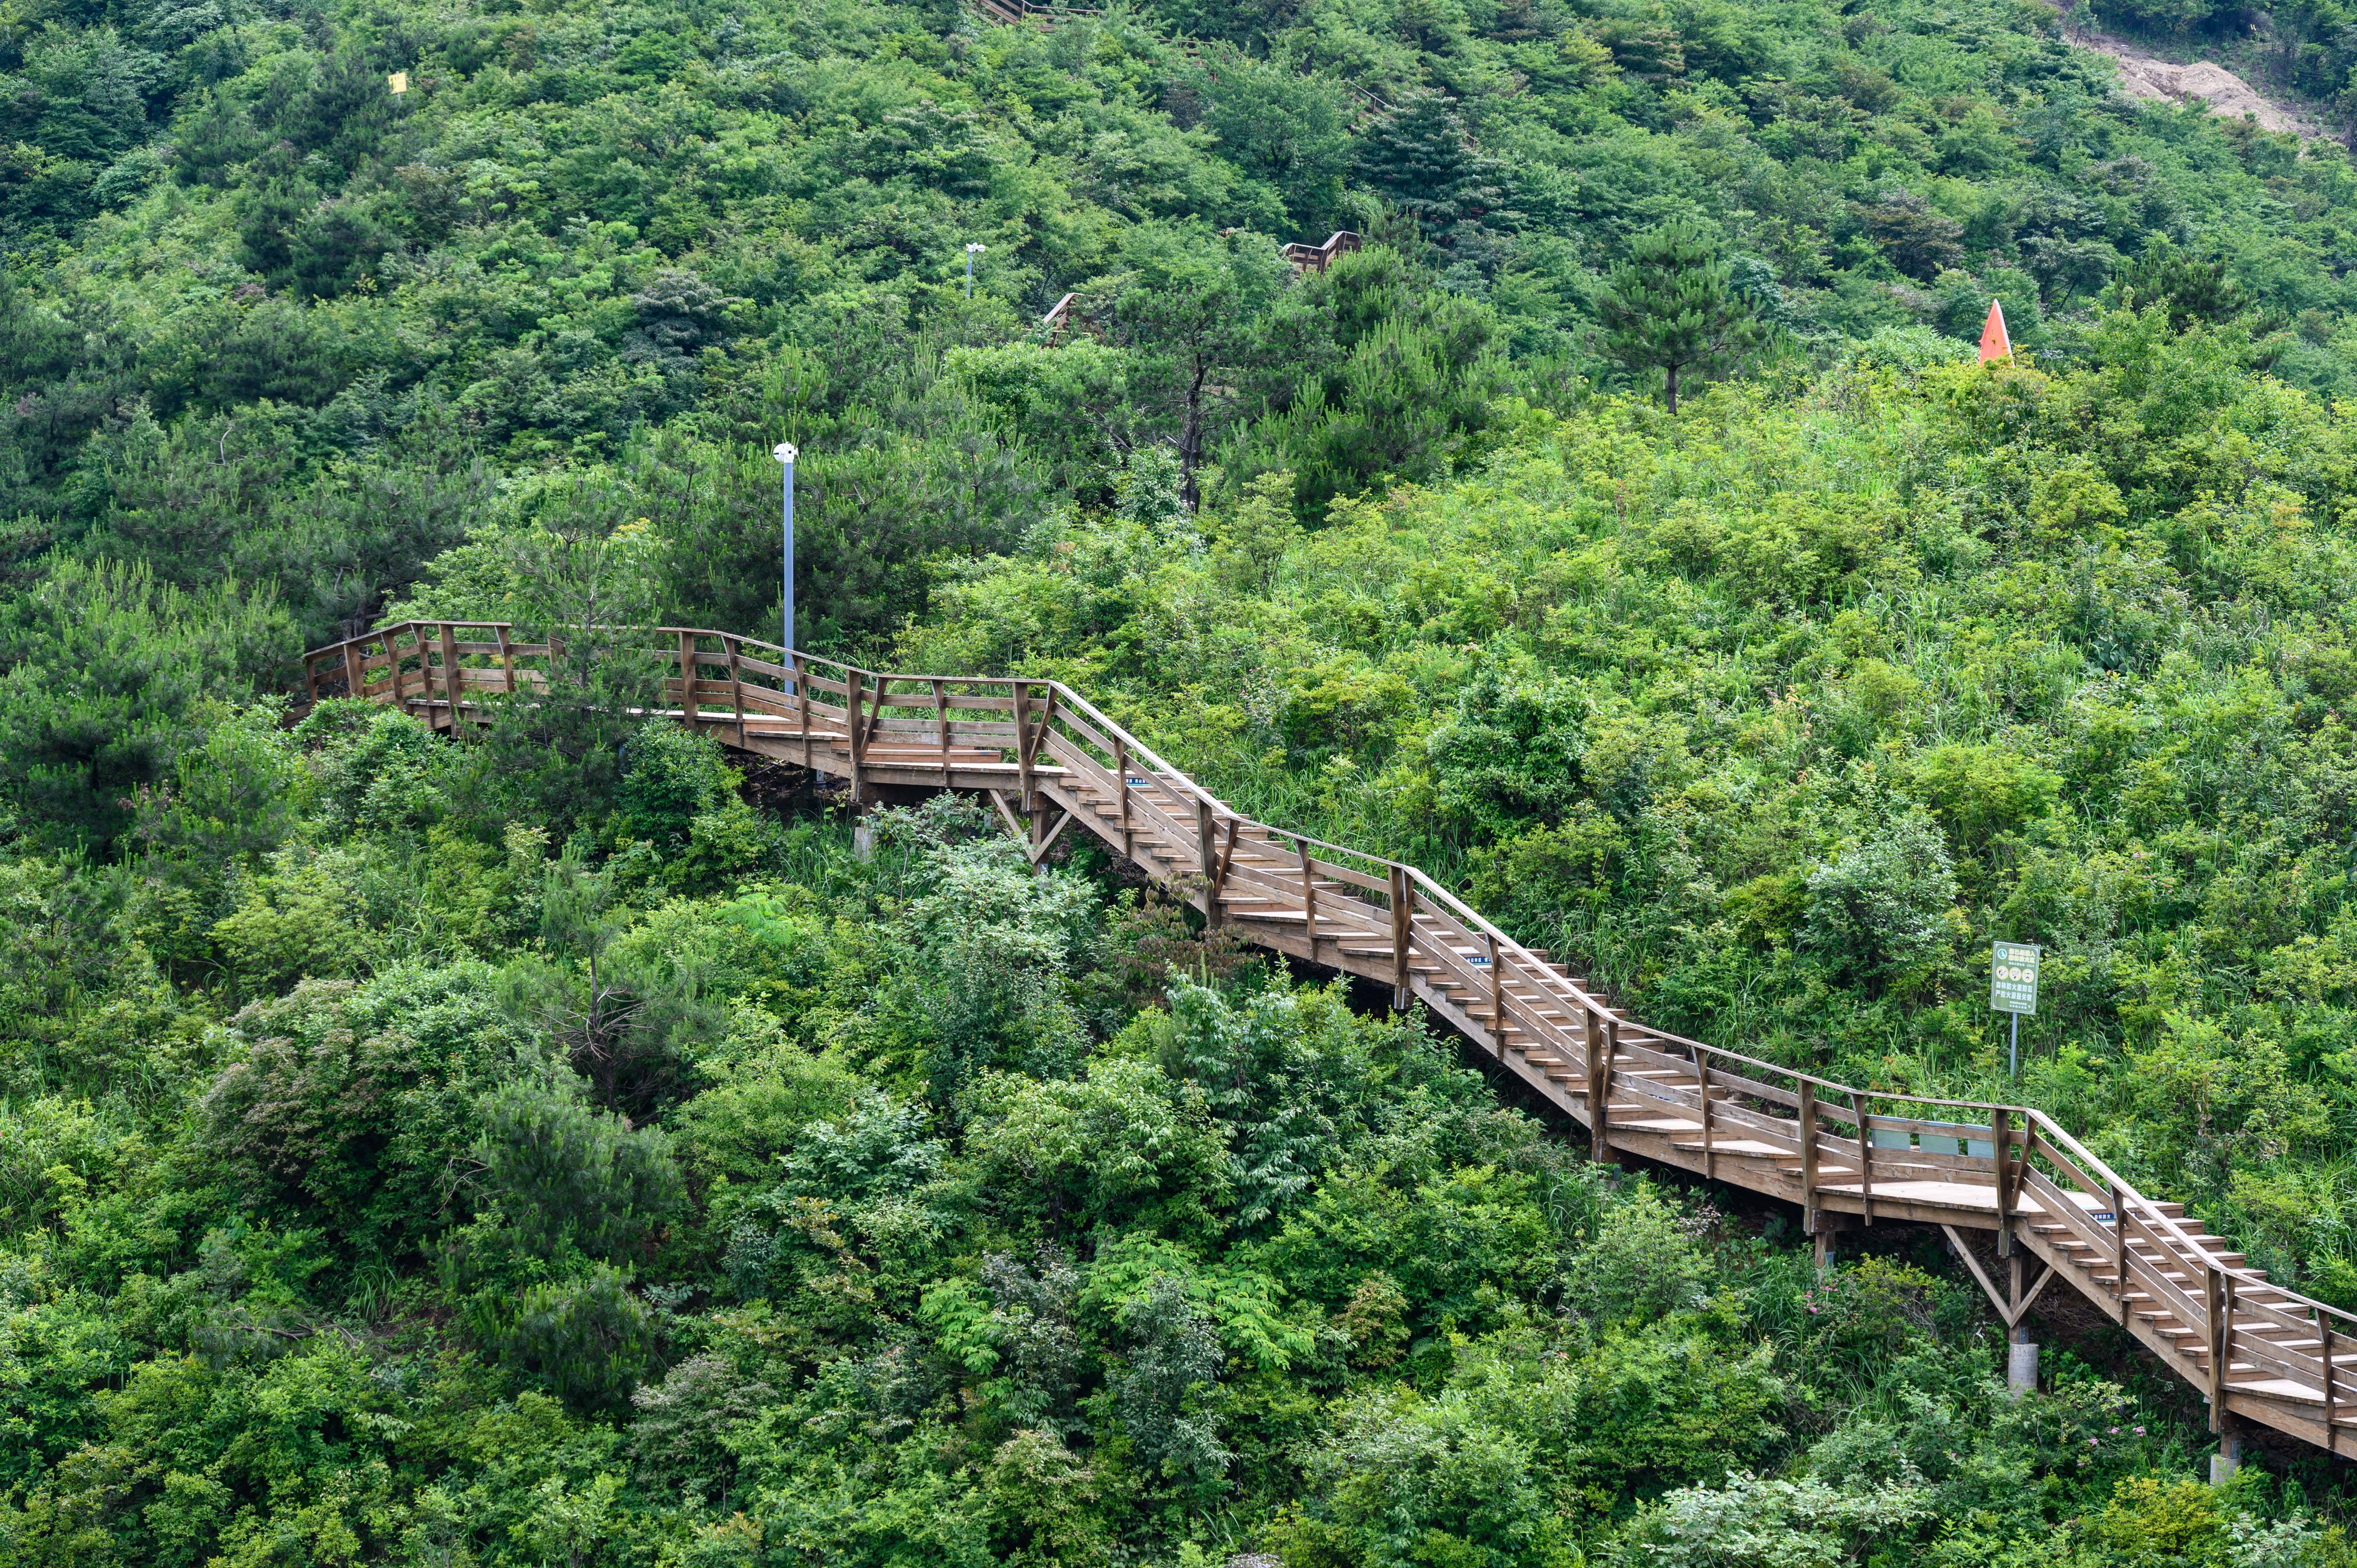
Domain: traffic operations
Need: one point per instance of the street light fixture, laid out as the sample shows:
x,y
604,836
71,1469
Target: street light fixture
x,y
785,453
972,251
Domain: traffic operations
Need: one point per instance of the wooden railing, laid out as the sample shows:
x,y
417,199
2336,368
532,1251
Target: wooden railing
x,y
1318,258
1039,750
1015,11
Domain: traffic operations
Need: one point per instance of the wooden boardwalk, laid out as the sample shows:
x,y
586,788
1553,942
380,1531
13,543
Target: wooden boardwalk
x,y
1051,764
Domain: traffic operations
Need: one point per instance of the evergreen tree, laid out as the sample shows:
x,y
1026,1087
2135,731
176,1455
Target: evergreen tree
x,y
2194,288
1421,159
1671,306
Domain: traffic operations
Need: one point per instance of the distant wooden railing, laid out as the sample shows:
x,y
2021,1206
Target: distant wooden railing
x,y
1016,12
1038,748
1318,258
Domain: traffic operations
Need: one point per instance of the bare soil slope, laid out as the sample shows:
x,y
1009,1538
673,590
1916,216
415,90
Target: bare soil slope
x,y
2146,75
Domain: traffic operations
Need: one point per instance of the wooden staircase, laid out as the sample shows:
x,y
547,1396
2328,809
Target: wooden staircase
x,y
1048,760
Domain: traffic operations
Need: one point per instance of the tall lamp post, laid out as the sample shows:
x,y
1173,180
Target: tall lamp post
x,y
972,251
785,453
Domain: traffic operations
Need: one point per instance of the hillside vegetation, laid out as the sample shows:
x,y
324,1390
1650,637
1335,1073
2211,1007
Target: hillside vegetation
x,y
561,1148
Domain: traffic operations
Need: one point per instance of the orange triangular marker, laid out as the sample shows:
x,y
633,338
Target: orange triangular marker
x,y
1995,344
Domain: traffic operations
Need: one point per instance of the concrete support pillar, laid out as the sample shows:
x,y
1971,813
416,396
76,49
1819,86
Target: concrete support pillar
x,y
2020,1361
2228,1459
863,837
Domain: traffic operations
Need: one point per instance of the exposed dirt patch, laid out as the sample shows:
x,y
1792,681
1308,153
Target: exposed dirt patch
x,y
2144,74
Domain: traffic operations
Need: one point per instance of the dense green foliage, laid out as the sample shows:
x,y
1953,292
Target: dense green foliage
x,y
1777,714
264,320
381,1183
548,1150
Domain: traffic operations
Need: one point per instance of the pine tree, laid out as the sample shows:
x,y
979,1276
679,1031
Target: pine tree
x,y
1421,158
1671,306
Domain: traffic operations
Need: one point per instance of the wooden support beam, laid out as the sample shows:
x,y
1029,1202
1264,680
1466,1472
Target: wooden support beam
x,y
1988,1287
1039,850
1220,877
2013,1303
1014,824
2046,1276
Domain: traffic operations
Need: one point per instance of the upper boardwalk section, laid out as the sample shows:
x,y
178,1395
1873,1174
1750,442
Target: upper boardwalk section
x,y
1050,761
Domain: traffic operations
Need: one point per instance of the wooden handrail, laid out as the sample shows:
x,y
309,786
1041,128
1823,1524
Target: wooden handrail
x,y
1526,1012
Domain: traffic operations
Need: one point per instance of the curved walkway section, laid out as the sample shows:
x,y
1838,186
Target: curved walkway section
x,y
1050,762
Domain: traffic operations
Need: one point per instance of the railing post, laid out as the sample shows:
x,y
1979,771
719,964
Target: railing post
x,y
355,671
1702,1086
1205,855
856,733
687,714
1041,734
450,672
941,716
1309,896
2331,1396
1601,1051
1865,1155
1023,744
2120,1247
1121,791
1220,877
1588,1032
2001,1145
310,680
507,661
2218,1302
1808,1130
800,693
1402,929
1497,997
736,649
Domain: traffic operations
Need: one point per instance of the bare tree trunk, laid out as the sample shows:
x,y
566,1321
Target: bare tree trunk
x,y
1669,386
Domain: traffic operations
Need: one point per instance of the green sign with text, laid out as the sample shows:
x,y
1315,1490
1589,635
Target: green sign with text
x,y
2012,977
